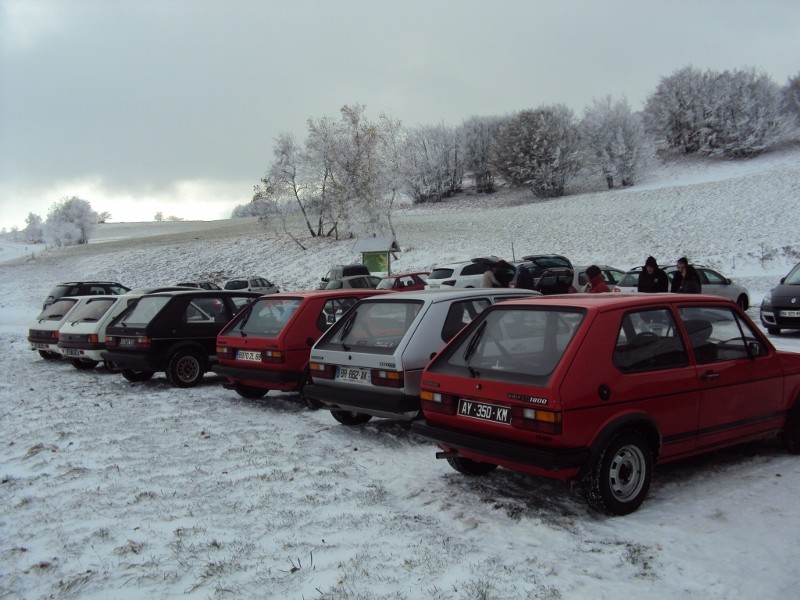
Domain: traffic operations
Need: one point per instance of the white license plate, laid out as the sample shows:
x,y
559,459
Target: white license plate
x,y
72,352
353,375
127,341
485,412
39,345
248,355
790,313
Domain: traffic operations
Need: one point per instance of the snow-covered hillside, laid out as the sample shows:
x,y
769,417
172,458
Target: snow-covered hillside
x,y
112,489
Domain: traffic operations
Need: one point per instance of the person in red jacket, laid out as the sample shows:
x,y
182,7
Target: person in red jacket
x,y
596,281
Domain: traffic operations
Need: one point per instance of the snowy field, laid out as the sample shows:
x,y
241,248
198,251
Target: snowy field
x,y
110,489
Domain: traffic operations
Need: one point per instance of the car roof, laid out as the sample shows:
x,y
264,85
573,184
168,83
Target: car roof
x,y
327,293
433,296
201,292
613,301
453,265
90,282
406,274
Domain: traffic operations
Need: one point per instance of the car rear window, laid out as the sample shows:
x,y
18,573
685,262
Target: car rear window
x,y
236,284
372,327
513,344
441,273
92,310
141,313
57,310
266,317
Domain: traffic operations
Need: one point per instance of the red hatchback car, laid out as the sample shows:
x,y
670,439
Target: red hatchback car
x,y
600,387
267,346
407,282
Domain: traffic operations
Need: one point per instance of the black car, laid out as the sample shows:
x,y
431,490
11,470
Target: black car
x,y
533,267
83,288
340,271
175,332
780,309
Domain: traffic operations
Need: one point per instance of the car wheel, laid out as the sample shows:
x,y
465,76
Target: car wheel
x,y
470,467
83,364
774,330
110,366
305,378
742,302
791,431
136,376
49,355
185,369
349,417
620,477
249,392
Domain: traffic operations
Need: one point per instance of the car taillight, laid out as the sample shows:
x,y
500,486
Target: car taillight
x,y
450,282
436,402
226,352
111,341
54,335
393,379
322,371
272,356
536,419
92,338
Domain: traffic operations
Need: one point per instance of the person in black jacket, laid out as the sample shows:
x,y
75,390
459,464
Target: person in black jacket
x,y
652,279
686,280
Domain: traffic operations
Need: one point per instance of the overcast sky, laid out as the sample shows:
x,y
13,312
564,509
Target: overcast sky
x,y
141,106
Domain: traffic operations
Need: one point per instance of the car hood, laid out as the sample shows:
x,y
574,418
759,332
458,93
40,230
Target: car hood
x,y
786,293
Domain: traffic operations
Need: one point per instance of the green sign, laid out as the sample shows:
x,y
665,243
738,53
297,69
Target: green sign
x,y
376,262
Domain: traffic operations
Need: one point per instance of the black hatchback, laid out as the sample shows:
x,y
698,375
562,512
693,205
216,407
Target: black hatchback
x,y
780,308
175,332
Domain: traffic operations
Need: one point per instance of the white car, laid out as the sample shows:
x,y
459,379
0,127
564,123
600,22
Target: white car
x,y
612,275
711,282
43,334
465,274
369,363
253,283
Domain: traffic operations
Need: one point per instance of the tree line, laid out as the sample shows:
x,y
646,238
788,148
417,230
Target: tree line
x,y
347,174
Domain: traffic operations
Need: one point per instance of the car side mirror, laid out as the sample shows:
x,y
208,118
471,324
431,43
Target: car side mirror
x,y
783,279
754,349
310,341
727,281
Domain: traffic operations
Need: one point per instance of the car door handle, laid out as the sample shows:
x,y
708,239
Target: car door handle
x,y
709,375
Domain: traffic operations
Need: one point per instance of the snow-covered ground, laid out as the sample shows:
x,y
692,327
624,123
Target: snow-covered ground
x,y
116,490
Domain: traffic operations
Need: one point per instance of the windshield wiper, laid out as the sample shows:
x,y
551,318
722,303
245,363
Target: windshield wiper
x,y
473,344
346,330
243,322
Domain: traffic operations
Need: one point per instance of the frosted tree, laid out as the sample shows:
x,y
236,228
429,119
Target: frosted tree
x,y
34,229
614,141
539,149
477,135
790,98
69,222
674,112
393,149
434,170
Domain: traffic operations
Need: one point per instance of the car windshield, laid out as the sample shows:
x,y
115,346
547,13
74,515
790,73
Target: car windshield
x,y
512,344
142,312
629,279
386,283
266,317
57,310
91,310
372,327
793,278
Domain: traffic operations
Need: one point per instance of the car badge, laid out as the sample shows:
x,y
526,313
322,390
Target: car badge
x,y
794,300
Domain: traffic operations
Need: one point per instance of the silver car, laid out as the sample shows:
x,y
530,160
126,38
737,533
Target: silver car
x,y
369,363
711,282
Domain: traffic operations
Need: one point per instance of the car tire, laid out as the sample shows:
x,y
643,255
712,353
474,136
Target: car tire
x,y
137,376
774,330
742,302
791,431
83,364
305,378
620,476
250,392
49,355
468,466
185,369
349,417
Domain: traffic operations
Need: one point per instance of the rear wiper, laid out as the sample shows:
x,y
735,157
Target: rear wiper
x,y
346,330
243,322
473,343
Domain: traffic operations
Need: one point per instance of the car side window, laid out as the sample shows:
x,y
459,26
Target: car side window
x,y
206,310
712,277
649,340
718,333
461,313
474,269
332,310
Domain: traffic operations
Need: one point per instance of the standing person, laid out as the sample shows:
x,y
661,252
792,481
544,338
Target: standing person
x,y
596,281
687,280
489,279
652,279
